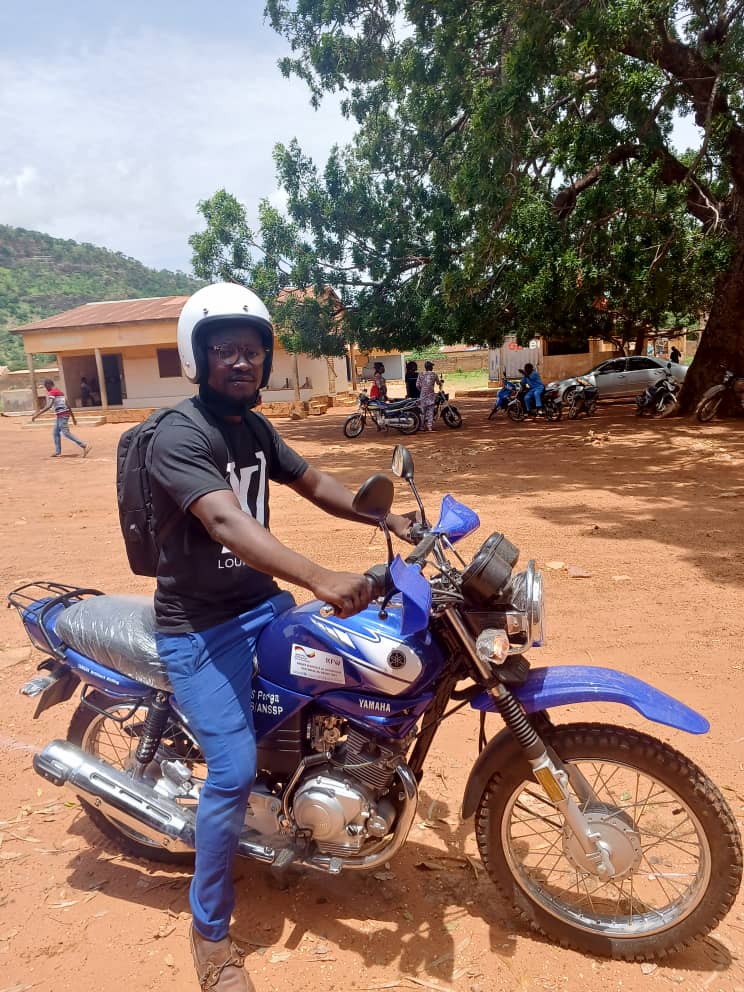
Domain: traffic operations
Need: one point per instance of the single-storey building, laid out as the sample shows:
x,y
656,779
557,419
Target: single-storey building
x,y
127,352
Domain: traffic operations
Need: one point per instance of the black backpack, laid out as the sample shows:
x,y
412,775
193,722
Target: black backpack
x,y
133,492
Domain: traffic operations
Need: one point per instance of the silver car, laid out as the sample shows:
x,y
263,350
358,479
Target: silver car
x,y
618,378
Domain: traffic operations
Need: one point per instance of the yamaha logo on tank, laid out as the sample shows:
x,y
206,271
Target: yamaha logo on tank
x,y
396,659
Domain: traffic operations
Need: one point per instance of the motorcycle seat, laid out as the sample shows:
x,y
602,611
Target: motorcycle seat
x,y
119,633
398,404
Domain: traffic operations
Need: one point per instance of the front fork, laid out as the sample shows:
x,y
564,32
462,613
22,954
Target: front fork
x,y
554,780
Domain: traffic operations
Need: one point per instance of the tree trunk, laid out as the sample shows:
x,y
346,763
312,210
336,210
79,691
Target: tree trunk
x,y
722,340
640,341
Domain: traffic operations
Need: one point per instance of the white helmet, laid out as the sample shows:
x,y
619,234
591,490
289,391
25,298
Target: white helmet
x,y
224,303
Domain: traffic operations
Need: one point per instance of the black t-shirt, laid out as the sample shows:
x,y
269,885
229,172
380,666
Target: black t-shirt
x,y
200,583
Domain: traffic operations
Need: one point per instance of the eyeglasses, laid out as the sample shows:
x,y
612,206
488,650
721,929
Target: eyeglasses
x,y
229,353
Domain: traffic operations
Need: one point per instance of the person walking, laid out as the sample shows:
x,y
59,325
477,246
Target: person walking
x,y
58,402
675,355
216,586
425,384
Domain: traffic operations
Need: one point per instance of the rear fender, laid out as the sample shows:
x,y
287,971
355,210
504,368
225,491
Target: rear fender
x,y
564,685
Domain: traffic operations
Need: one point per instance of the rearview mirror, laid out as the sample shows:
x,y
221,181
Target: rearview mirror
x,y
402,462
374,498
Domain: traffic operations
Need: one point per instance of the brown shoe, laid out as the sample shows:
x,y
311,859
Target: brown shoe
x,y
219,964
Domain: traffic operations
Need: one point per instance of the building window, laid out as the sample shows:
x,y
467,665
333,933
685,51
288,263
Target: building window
x,y
169,364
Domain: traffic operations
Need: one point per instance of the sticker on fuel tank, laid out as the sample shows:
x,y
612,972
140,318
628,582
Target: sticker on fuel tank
x,y
308,663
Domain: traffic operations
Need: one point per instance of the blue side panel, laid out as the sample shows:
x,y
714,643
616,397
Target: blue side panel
x,y
272,705
385,717
567,684
105,679
31,621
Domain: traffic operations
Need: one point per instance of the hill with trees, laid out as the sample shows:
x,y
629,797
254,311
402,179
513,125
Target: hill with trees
x,y
41,275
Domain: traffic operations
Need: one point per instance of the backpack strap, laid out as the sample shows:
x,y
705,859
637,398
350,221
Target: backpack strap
x,y
208,424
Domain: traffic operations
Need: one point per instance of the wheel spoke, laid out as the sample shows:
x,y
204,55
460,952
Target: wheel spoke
x,y
656,843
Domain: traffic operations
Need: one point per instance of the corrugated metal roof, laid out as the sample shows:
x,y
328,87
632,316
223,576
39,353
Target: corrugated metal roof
x,y
111,312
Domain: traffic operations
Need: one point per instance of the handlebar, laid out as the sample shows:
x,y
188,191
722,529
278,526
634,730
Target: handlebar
x,y
378,577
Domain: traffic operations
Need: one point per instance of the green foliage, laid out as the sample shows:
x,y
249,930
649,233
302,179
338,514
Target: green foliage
x,y
513,169
41,276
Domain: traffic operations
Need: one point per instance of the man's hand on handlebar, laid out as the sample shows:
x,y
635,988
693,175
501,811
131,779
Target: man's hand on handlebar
x,y
347,592
401,524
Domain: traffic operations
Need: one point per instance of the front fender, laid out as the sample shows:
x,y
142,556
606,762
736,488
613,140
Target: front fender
x,y
561,686
564,685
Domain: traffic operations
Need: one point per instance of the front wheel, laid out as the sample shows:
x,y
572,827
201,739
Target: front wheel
x,y
666,405
452,417
672,841
354,425
707,408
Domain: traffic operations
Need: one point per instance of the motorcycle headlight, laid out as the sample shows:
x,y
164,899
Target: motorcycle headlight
x,y
535,606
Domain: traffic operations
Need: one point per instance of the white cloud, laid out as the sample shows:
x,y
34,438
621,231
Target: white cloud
x,y
117,144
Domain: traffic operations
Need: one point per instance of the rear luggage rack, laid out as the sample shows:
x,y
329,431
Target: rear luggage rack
x,y
35,600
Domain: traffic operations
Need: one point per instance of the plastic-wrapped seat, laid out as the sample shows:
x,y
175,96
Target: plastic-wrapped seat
x,y
118,632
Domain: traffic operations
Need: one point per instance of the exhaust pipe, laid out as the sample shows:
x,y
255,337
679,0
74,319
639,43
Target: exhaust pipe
x,y
133,804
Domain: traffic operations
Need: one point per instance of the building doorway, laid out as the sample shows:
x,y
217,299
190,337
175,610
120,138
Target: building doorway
x,y
113,375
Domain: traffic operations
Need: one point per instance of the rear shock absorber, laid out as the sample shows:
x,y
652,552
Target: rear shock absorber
x,y
152,729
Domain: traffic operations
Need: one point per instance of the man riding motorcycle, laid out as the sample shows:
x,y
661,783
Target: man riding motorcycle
x,y
215,580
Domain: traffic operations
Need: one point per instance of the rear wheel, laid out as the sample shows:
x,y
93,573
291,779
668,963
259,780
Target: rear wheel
x,y
708,408
516,411
452,417
552,410
667,405
106,735
672,839
354,425
409,422
574,407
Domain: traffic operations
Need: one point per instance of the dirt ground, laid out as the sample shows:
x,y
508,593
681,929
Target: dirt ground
x,y
653,510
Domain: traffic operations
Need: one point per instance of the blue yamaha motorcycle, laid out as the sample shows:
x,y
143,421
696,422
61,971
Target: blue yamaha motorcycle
x,y
603,838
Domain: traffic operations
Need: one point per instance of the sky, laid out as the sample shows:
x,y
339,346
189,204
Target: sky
x,y
116,119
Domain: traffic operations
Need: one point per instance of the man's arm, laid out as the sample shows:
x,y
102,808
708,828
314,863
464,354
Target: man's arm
x,y
227,524
38,413
328,494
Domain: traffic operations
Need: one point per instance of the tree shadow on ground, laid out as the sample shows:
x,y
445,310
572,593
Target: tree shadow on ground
x,y
415,916
675,481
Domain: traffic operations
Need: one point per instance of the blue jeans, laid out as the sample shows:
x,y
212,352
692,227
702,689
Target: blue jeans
x,y
62,427
533,397
211,673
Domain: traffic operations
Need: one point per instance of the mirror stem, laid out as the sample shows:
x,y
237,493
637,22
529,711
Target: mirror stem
x,y
386,532
414,490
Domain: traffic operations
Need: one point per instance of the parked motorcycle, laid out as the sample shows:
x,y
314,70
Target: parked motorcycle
x,y
582,399
404,415
660,398
708,406
604,838
446,410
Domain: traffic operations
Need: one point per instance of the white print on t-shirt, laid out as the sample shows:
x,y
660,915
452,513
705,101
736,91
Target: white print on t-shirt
x,y
240,485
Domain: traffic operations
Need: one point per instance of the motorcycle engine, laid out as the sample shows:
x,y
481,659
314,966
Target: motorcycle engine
x,y
343,806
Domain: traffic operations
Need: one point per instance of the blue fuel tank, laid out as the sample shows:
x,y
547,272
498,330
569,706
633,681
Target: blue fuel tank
x,y
311,655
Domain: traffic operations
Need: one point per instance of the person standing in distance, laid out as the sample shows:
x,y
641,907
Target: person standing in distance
x,y
215,581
